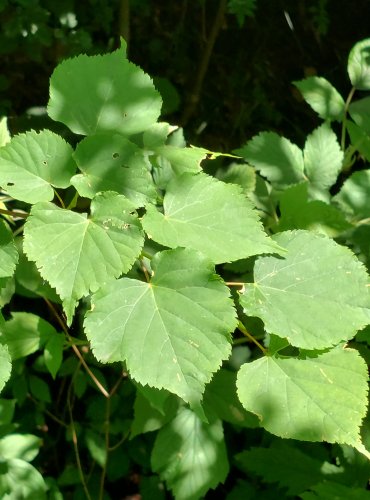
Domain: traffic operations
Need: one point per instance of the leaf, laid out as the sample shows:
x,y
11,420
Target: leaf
x,y
94,94
354,197
299,213
323,157
53,354
190,455
25,333
8,251
4,131
221,398
359,65
23,446
113,163
203,213
19,479
316,297
241,174
360,140
359,111
76,254
31,163
39,389
322,398
328,490
323,98
183,159
147,418
173,332
5,365
288,466
275,157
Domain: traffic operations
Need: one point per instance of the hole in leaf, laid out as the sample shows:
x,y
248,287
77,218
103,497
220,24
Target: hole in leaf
x,y
115,155
10,183
44,162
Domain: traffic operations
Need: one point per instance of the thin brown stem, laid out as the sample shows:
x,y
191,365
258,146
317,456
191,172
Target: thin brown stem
x,y
344,122
124,21
234,283
204,63
106,438
75,349
242,328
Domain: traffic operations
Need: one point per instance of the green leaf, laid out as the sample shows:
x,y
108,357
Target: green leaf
x,y
4,131
359,111
316,297
25,333
359,65
322,398
190,455
39,389
328,490
76,254
53,354
31,163
173,332
97,447
221,398
113,163
19,479
7,407
288,466
23,446
147,418
360,140
275,157
299,213
203,213
7,290
8,251
322,97
241,174
5,365
183,159
92,94
323,157
354,197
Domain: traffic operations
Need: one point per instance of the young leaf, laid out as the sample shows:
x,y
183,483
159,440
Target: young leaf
x,y
5,364
25,333
173,332
190,455
182,159
31,163
322,97
92,94
8,251
316,297
275,157
359,65
323,158
76,254
113,163
322,398
203,213
53,354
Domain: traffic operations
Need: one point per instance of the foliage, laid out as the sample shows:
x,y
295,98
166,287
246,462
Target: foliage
x,y
148,313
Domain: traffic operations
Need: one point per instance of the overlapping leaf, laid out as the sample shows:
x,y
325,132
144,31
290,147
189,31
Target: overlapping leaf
x,y
8,252
359,65
190,455
31,163
76,254
354,197
316,297
92,94
322,398
173,332
278,159
113,163
208,215
5,364
322,97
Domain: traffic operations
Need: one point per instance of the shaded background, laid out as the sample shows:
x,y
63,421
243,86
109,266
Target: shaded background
x,y
224,67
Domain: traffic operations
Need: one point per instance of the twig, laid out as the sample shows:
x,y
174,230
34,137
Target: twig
x,y
22,215
250,337
203,64
124,21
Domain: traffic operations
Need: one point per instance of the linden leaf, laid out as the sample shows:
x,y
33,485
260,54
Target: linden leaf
x,y
173,332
